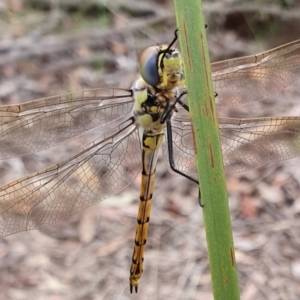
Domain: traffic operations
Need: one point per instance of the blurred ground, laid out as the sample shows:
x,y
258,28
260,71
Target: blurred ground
x,y
50,47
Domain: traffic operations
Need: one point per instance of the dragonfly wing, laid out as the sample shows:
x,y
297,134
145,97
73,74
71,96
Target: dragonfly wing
x,y
246,143
102,169
43,123
256,77
252,143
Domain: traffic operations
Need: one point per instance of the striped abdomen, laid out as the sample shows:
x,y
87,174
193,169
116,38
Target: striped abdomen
x,y
150,153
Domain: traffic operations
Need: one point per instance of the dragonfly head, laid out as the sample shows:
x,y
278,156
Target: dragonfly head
x,y
161,66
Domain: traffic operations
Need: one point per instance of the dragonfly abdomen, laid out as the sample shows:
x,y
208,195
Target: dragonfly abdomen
x,y
151,144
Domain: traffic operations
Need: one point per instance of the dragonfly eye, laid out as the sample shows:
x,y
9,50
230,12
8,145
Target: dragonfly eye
x,y
148,65
154,61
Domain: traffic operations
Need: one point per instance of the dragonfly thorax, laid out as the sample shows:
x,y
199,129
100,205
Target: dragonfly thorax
x,y
150,106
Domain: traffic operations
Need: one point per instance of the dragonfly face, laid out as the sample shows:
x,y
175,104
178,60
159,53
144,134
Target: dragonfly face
x,y
161,67
113,160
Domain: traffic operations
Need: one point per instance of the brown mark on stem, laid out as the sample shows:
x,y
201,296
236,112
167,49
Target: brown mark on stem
x,y
232,257
194,140
212,109
187,46
211,154
206,77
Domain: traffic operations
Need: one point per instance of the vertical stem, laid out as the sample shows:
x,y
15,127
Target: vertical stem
x,y
192,38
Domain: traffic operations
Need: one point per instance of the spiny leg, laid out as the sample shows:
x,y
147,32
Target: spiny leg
x,y
169,47
168,111
172,162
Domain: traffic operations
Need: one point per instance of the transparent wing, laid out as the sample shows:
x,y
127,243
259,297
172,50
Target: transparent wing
x,y
246,143
100,170
43,123
252,143
256,77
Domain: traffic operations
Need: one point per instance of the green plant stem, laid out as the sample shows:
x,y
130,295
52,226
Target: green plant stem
x,y
192,38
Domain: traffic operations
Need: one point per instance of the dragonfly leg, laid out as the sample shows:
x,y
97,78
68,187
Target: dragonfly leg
x,y
185,106
169,109
169,47
172,162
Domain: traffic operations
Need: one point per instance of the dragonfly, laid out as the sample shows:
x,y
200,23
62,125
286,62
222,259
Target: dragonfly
x,y
133,124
